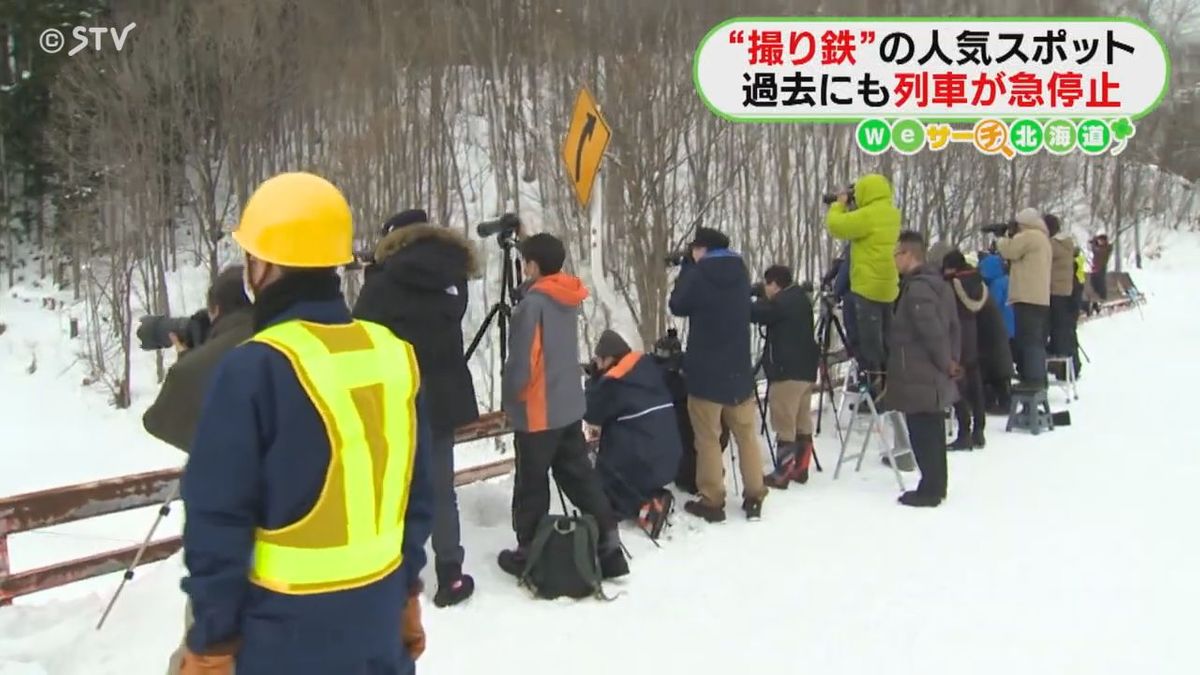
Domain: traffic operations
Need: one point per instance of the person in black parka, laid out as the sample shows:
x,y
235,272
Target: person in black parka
x,y
970,298
627,398
417,287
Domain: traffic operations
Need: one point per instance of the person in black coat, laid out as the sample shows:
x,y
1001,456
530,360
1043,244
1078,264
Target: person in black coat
x,y
790,365
417,287
713,292
627,398
971,297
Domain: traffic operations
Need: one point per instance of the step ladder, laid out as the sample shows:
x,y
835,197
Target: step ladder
x,y
854,396
1030,411
1069,386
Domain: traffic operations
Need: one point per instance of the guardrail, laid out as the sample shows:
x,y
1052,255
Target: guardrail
x,y
57,506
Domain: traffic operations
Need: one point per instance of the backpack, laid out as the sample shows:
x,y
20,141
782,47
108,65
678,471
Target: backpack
x,y
564,558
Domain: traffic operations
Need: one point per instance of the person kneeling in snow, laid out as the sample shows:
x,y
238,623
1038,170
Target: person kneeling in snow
x,y
640,446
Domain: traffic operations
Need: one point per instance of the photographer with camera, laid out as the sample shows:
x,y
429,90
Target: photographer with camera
x,y
545,403
176,410
1026,245
872,230
419,291
713,293
790,364
627,398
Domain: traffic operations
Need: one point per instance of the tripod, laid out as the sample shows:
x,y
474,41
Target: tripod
x,y
827,323
763,402
501,311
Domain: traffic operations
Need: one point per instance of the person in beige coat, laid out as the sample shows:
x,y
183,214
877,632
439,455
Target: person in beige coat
x,y
1027,247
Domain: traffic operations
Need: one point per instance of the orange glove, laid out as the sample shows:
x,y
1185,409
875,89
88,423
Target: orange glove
x,y
219,663
411,630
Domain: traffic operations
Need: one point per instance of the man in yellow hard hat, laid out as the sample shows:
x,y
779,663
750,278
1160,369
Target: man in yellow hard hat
x,y
307,496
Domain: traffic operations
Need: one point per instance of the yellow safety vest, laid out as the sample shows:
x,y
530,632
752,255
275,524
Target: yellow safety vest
x,y
1080,268
363,382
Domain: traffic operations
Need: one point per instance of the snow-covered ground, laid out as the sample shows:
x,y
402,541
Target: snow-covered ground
x,y
1067,553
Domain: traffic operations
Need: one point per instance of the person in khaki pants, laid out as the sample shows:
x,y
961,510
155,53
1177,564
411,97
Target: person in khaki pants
x,y
790,364
713,293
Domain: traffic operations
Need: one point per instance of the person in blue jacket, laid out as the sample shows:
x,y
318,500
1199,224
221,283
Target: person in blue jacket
x,y
991,268
997,378
713,292
627,398
307,492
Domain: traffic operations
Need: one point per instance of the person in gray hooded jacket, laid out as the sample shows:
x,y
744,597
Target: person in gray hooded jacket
x,y
923,363
544,400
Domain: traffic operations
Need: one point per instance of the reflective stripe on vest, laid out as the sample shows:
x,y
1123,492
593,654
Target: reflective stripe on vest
x,y
363,382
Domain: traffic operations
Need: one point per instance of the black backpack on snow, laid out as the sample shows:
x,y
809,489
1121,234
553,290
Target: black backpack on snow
x,y
563,559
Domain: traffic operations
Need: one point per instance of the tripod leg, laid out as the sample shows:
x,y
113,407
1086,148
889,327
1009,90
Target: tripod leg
x,y
497,309
163,511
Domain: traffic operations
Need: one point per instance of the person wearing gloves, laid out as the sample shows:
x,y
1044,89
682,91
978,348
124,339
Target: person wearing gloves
x,y
306,490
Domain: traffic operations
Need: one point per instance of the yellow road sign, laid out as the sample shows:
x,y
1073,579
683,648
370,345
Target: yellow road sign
x,y
583,148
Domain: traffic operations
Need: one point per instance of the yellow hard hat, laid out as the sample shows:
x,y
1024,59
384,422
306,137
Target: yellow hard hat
x,y
297,220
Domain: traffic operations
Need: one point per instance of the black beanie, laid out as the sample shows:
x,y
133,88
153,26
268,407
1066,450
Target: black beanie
x,y
404,219
611,345
710,239
955,260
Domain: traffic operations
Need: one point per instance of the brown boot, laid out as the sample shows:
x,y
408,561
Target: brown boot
x,y
782,476
800,474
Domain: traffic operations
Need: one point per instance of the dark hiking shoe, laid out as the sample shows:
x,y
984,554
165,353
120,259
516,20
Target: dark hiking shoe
x,y
963,442
453,586
513,561
704,510
978,440
613,563
753,508
778,480
918,500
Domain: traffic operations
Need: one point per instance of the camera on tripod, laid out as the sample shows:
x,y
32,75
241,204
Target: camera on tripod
x,y
506,229
668,350
677,258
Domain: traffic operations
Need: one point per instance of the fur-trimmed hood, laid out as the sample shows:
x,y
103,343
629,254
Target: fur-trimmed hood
x,y
427,257
977,289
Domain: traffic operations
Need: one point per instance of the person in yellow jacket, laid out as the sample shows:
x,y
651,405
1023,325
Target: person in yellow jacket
x,y
873,228
307,492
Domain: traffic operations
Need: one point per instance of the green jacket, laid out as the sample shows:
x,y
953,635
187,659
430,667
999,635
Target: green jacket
x,y
173,416
872,230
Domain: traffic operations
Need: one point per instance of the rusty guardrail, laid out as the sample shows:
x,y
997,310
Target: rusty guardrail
x,y
56,506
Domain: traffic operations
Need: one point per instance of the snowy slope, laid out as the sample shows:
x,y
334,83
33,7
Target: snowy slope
x,y
1066,553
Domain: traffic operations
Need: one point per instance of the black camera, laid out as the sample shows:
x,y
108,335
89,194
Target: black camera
x,y
154,332
999,229
668,350
831,197
507,228
759,291
678,258
591,370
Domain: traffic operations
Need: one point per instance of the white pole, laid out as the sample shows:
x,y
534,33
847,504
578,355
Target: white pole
x,y
596,223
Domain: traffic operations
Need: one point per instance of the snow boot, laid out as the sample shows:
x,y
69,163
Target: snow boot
x,y
612,558
752,506
977,438
806,454
705,511
963,442
917,499
655,513
513,561
781,477
454,587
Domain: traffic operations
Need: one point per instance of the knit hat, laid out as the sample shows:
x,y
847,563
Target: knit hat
x,y
937,252
404,219
710,239
611,345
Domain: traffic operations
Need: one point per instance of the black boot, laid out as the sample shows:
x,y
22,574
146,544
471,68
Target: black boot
x,y
612,559
453,586
977,438
919,500
513,561
963,442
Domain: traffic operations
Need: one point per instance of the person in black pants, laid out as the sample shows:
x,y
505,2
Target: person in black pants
x,y
925,342
417,288
971,298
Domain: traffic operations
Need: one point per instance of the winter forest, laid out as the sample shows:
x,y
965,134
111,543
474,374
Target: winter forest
x,y
117,168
